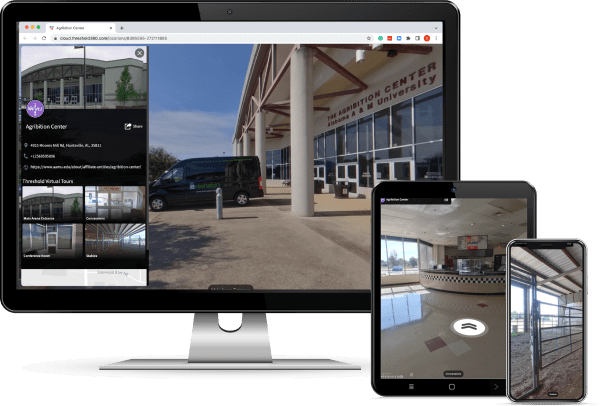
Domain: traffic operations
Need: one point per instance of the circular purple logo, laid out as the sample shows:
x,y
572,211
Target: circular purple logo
x,y
35,108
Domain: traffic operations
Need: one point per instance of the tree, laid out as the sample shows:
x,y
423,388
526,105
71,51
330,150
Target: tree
x,y
413,262
125,90
75,208
160,161
39,97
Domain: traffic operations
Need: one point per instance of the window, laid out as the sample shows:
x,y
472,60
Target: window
x,y
65,236
37,236
316,147
330,143
382,129
365,134
330,171
321,172
341,172
402,124
351,135
428,161
428,116
204,170
341,140
321,143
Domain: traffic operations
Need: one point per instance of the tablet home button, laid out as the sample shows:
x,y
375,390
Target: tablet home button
x,y
451,386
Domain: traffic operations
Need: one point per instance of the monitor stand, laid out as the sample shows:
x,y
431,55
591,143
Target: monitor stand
x,y
212,347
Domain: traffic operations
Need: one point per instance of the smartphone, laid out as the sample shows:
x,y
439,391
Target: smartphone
x,y
546,317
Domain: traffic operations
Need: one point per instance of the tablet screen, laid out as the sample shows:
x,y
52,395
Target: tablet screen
x,y
443,287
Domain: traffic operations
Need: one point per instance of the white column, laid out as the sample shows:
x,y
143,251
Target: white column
x,y
239,147
246,144
103,90
62,92
301,125
45,92
260,138
30,91
81,91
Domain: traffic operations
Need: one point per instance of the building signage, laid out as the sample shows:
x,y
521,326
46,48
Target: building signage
x,y
410,83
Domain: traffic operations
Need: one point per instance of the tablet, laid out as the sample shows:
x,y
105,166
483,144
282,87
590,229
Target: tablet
x,y
439,284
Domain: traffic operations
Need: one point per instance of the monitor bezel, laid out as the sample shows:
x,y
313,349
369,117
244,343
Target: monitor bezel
x,y
467,189
120,300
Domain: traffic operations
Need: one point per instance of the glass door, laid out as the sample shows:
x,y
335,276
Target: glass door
x,y
348,173
51,242
404,170
382,172
116,205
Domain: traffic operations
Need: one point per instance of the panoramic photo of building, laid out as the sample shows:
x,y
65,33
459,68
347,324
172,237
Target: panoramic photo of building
x,y
60,81
350,114
52,202
115,240
127,203
53,240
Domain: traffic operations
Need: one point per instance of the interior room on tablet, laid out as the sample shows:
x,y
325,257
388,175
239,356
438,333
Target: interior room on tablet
x,y
443,281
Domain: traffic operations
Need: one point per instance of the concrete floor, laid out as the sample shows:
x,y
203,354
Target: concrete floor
x,y
417,337
262,245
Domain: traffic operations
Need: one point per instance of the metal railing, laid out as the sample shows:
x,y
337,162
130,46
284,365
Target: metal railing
x,y
564,323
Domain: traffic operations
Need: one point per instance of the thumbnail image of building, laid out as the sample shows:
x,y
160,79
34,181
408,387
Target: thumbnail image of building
x,y
115,240
342,113
127,203
52,202
53,240
60,82
440,264
546,344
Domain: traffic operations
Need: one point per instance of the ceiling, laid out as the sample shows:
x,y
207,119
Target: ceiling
x,y
546,263
500,219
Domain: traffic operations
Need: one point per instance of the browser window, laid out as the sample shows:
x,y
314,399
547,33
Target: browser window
x,y
131,132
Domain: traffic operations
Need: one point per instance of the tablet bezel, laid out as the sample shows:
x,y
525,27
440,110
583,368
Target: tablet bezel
x,y
56,300
482,190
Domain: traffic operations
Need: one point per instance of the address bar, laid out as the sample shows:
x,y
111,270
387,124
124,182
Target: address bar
x,y
233,38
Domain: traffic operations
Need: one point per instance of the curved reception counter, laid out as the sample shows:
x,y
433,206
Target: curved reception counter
x,y
490,283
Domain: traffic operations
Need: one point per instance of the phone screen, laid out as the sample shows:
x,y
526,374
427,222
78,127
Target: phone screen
x,y
546,299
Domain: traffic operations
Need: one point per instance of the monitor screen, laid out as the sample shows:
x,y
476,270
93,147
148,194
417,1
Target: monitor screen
x,y
130,133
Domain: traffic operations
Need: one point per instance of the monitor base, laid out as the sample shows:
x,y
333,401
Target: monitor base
x,y
183,364
214,348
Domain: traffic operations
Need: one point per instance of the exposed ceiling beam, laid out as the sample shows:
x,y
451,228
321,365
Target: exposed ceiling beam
x,y
562,275
568,254
400,48
540,275
336,94
329,61
282,113
287,107
551,266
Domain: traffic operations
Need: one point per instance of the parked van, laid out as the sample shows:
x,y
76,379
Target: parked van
x,y
197,179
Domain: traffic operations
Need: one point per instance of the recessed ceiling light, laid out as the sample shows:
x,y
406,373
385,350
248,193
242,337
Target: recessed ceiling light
x,y
472,224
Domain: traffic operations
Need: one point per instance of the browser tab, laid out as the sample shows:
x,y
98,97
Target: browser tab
x,y
88,28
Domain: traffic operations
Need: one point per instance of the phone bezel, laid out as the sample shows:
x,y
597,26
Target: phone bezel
x,y
558,244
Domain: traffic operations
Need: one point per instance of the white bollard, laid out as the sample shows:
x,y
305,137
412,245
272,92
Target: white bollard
x,y
219,204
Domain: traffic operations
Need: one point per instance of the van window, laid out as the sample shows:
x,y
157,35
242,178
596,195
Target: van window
x,y
204,169
247,169
175,174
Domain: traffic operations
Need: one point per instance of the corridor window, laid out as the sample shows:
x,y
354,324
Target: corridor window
x,y
428,116
382,129
365,134
351,135
402,124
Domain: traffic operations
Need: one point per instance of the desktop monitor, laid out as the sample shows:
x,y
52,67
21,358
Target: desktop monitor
x,y
123,135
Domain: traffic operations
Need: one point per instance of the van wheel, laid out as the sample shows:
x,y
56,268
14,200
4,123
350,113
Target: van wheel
x,y
241,198
158,203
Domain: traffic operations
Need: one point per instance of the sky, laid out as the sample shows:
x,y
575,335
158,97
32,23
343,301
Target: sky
x,y
65,190
516,301
195,93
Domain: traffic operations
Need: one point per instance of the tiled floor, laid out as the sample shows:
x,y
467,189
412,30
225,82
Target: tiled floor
x,y
417,337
